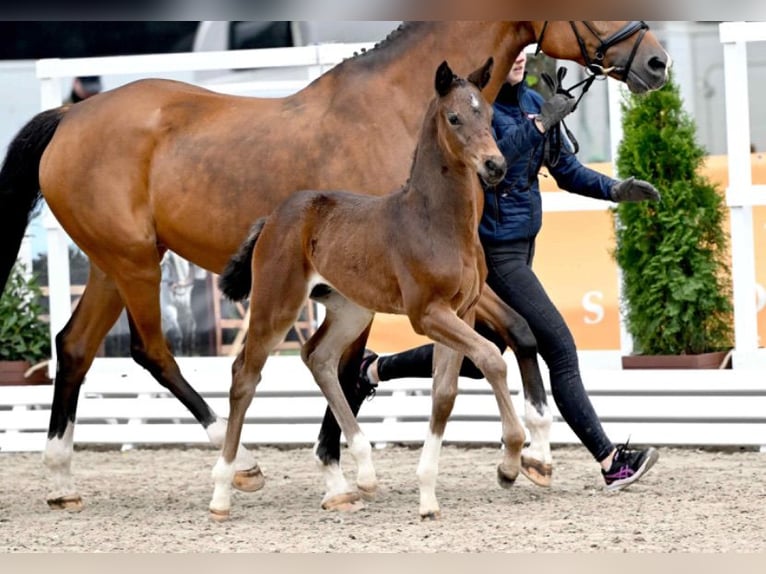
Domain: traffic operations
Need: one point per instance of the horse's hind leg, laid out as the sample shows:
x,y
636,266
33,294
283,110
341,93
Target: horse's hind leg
x,y
536,459
273,310
138,280
76,346
344,323
246,374
327,448
446,368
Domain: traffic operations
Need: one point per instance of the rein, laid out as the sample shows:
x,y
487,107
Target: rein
x,y
552,141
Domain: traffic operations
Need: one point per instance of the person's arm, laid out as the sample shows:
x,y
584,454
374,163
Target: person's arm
x,y
517,140
574,177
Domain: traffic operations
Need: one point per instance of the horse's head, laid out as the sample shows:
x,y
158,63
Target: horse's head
x,y
627,51
464,122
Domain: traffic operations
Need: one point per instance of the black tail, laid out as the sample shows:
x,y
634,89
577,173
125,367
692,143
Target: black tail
x,y
236,279
20,184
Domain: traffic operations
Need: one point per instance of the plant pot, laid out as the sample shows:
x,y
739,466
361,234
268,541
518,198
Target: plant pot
x,y
12,373
712,360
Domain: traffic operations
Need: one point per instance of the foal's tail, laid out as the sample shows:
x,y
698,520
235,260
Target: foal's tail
x,y
236,279
20,184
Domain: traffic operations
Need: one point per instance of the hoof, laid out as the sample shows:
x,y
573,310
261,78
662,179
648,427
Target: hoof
x,y
503,479
540,473
368,493
431,516
71,503
249,480
219,515
346,502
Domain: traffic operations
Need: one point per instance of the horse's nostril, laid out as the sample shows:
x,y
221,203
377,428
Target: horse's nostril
x,y
494,166
658,64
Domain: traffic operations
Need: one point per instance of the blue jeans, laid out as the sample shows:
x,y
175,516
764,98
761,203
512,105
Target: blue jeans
x,y
512,278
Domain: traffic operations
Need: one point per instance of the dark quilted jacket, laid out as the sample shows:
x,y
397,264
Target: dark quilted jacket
x,y
513,208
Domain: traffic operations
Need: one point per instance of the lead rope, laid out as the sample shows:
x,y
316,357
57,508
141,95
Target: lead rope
x,y
552,139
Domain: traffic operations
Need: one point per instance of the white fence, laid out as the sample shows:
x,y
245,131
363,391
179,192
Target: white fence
x,y
122,404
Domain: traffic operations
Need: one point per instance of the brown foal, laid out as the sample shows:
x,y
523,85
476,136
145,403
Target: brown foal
x,y
414,252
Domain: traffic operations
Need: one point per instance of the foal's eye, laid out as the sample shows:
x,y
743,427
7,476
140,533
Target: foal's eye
x,y
453,119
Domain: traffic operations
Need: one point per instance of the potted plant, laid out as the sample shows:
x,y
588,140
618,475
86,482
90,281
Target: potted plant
x,y
24,337
676,296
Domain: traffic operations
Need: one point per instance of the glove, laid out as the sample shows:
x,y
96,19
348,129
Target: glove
x,y
554,110
633,189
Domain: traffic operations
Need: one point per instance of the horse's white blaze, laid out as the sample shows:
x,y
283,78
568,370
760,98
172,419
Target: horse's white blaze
x,y
428,468
539,426
216,433
57,457
361,450
222,473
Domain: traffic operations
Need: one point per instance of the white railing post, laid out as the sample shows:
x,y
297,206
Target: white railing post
x,y
740,183
59,287
615,93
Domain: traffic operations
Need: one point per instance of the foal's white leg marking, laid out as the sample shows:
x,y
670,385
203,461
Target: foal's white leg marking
x,y
223,474
335,482
58,459
539,426
216,432
361,450
428,468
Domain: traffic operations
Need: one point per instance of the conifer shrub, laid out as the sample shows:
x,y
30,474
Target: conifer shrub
x,y
676,296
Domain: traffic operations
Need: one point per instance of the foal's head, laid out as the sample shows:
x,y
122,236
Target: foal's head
x,y
463,120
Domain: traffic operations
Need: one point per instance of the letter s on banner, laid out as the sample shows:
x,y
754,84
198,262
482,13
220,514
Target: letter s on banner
x,y
591,302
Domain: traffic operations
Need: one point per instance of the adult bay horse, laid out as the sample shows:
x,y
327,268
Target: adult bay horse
x,y
414,252
157,165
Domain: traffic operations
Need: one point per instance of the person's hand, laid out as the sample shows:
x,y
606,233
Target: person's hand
x,y
554,110
633,189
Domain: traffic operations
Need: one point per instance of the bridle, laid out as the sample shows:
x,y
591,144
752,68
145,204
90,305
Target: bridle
x,y
595,69
595,64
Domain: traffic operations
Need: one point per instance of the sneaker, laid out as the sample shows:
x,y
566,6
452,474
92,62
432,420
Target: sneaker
x,y
363,382
628,466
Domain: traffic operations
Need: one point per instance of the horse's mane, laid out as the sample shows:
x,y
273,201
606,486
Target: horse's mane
x,y
382,48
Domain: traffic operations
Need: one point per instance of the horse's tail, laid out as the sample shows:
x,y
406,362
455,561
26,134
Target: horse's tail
x,y
20,184
236,279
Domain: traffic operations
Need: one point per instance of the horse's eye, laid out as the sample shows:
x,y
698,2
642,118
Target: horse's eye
x,y
453,119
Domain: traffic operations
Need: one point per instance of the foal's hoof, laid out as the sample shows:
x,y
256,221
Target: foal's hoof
x,y
346,502
541,473
504,479
249,480
431,516
71,503
367,492
219,515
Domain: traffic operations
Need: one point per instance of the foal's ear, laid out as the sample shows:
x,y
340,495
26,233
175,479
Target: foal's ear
x,y
480,77
444,79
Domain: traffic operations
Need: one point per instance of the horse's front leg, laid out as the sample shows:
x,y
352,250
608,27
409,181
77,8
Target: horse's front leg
x,y
446,368
536,459
443,325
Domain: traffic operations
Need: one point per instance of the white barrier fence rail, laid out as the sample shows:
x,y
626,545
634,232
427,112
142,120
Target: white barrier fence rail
x,y
121,403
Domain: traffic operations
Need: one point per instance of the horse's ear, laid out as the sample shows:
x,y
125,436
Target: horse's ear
x,y
444,79
480,77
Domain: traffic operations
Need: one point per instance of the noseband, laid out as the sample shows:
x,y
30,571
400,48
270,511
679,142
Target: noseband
x,y
595,64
